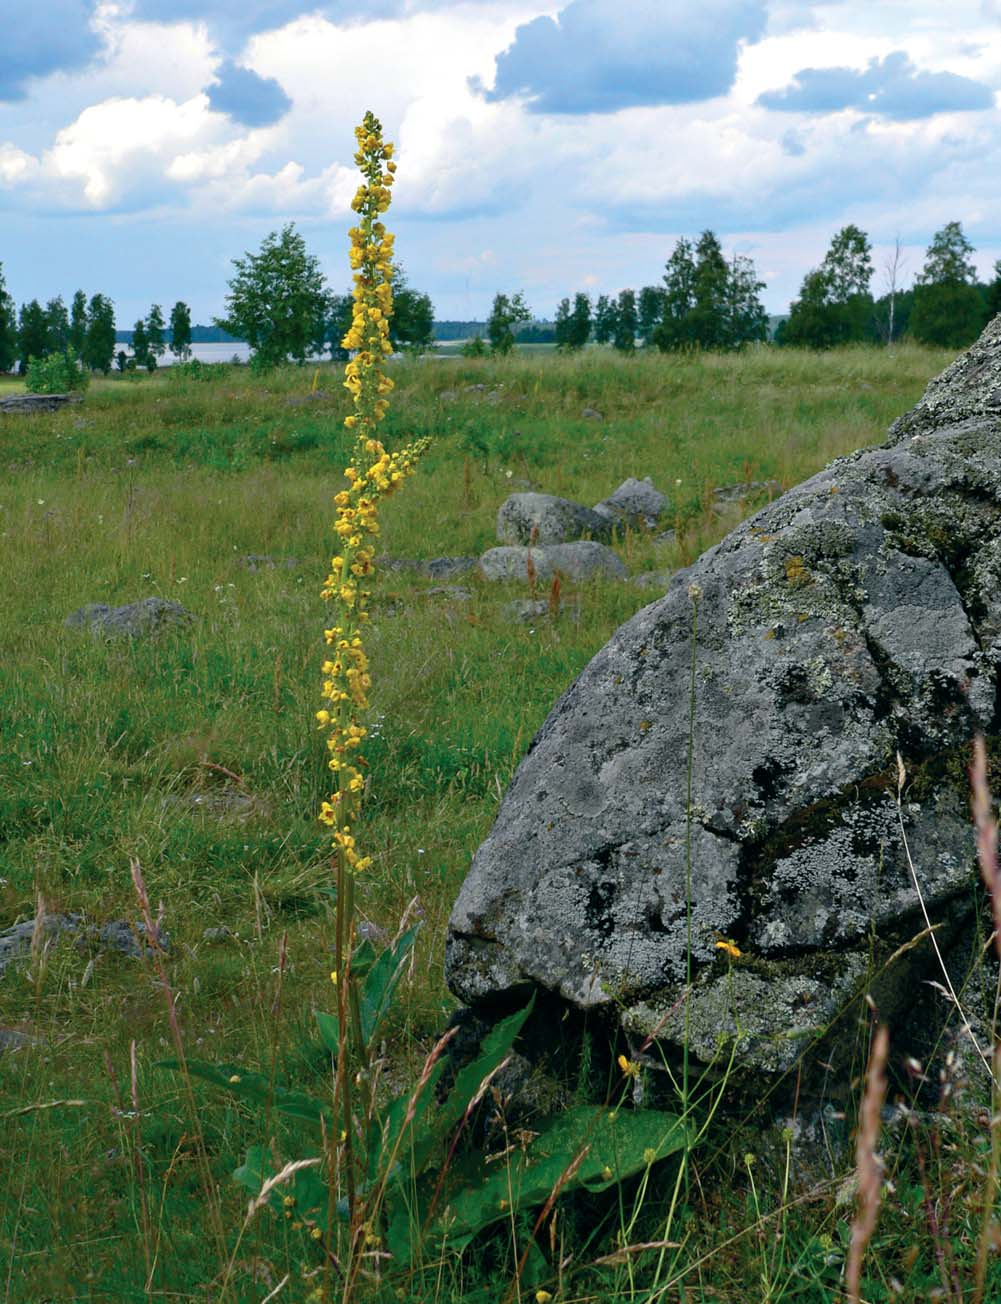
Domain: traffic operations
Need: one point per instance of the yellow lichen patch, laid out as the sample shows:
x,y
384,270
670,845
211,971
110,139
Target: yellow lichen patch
x,y
796,572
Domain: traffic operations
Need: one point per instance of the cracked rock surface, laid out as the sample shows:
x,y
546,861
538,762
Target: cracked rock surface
x,y
855,617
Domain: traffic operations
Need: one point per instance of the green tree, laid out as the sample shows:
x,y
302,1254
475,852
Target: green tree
x,y
626,321
32,334
993,293
99,343
948,308
746,319
57,326
277,300
561,323
580,320
505,314
834,305
140,346
78,323
708,325
180,331
155,328
8,327
650,309
604,319
674,330
411,326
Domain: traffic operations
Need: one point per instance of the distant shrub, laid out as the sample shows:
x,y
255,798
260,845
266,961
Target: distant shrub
x,y
195,370
474,348
57,373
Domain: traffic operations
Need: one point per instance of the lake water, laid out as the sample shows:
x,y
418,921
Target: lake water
x,y
205,353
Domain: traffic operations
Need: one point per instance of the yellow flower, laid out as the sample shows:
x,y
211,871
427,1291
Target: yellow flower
x,y
729,948
333,976
649,1156
542,1297
629,1067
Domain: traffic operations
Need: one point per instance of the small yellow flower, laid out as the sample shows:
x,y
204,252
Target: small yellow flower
x,y
542,1297
234,1079
649,1156
316,1234
729,948
606,1174
629,1067
333,976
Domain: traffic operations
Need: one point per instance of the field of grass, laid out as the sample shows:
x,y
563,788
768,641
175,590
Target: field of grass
x,y
196,755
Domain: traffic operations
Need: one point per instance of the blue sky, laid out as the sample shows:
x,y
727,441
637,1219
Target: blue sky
x,y
544,145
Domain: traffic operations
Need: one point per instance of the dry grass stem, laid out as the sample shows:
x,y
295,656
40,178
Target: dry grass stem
x,y
868,1164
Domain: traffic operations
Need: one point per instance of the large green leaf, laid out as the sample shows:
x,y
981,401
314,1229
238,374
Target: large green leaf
x,y
386,1131
305,1186
494,1049
381,980
256,1087
615,1145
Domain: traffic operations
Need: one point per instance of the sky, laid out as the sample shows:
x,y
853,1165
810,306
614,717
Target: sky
x,y
547,146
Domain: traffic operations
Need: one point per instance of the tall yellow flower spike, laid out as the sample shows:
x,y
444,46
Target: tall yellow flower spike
x,y
372,474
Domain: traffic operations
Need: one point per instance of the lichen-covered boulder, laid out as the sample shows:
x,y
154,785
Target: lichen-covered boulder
x,y
134,620
582,560
541,518
636,503
855,618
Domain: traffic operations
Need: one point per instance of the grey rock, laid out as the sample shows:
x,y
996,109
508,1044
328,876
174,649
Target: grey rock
x,y
255,561
29,403
134,620
576,561
448,396
542,518
433,568
11,1039
217,934
450,592
856,617
636,503
117,935
532,609
591,414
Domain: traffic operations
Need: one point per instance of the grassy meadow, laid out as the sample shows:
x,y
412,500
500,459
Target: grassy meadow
x,y
196,754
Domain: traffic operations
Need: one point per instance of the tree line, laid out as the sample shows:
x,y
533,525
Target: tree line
x,y
707,301
85,333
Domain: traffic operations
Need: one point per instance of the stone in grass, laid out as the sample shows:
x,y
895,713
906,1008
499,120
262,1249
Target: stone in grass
x,y
434,568
117,935
737,493
636,503
583,560
852,620
653,580
134,620
529,609
541,518
255,561
591,414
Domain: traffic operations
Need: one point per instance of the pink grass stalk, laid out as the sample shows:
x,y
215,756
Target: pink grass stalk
x,y
868,1164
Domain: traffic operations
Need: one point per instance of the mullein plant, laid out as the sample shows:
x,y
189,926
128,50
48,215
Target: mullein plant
x,y
372,474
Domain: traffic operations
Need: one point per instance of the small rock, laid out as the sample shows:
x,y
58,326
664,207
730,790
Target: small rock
x,y
255,561
527,609
542,518
134,620
218,934
435,568
636,503
592,414
666,539
448,396
226,801
11,1039
117,935
576,561
453,592
27,403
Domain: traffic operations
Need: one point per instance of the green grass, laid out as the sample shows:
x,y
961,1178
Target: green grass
x,y
110,752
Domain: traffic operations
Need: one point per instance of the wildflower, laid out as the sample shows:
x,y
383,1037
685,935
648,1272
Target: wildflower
x,y
542,1297
729,948
333,976
629,1067
649,1155
234,1079
606,1174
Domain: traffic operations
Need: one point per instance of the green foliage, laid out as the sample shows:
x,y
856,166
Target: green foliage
x,y
411,327
57,373
57,326
993,296
707,302
474,348
834,305
78,324
573,324
277,301
626,321
604,319
8,327
650,308
506,313
155,327
180,331
99,342
141,354
32,334
949,310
